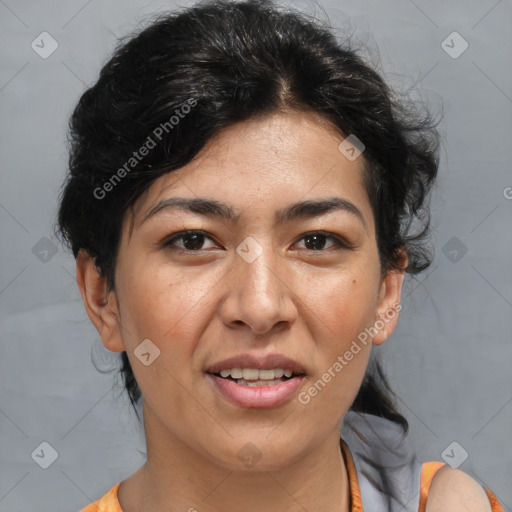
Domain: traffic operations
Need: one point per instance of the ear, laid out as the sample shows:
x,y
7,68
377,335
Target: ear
x,y
101,305
389,302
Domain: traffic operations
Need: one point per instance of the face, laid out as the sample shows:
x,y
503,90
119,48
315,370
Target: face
x,y
260,254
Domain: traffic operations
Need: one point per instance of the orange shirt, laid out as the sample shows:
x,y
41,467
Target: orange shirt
x,y
110,503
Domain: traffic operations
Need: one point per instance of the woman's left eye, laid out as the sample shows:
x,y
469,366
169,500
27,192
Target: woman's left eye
x,y
321,241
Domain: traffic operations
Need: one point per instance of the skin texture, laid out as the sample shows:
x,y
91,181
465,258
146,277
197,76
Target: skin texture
x,y
201,307
452,490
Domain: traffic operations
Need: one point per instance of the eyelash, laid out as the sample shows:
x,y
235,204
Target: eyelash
x,y
168,243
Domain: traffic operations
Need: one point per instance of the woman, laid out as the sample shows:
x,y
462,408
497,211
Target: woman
x,y
244,200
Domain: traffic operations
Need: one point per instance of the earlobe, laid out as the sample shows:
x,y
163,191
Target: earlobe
x,y
389,305
100,304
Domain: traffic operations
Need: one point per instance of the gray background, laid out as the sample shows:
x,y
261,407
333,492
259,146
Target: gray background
x,y
450,358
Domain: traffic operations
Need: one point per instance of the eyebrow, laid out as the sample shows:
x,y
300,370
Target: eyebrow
x,y
214,208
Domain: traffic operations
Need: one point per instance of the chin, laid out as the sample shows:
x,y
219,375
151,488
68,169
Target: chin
x,y
255,455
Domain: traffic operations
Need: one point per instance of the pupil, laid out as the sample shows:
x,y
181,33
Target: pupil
x,y
315,242
193,241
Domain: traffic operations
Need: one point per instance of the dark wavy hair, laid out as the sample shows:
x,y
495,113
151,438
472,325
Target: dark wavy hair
x,y
236,61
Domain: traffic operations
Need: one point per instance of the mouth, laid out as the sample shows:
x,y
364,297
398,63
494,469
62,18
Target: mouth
x,y
254,377
257,383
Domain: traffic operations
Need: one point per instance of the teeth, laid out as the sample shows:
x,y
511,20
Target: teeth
x,y
253,374
264,374
236,373
250,374
256,383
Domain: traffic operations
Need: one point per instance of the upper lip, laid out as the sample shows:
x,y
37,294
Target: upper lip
x,y
258,362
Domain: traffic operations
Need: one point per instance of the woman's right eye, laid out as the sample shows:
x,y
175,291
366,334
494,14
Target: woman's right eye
x,y
189,241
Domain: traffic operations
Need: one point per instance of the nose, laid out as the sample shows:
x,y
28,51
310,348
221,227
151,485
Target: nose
x,y
259,296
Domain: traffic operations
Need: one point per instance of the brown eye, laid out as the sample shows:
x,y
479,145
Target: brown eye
x,y
315,242
190,241
320,242
193,242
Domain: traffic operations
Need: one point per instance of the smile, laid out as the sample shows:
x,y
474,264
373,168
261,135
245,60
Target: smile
x,y
255,377
256,393
253,382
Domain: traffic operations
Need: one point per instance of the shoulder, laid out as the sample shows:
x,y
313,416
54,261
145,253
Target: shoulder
x,y
452,490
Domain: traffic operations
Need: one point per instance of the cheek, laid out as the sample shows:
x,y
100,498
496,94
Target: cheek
x,y
162,306
341,307
342,310
345,303
169,306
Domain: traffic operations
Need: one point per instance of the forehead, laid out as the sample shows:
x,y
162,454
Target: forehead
x,y
278,159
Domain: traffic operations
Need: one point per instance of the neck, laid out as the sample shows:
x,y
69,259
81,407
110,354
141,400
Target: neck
x,y
177,478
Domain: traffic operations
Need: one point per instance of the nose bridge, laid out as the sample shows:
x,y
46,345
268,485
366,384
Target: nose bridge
x,y
257,296
256,270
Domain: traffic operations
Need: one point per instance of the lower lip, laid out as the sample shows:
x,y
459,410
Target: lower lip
x,y
256,397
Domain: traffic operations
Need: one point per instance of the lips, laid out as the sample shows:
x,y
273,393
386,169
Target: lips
x,y
253,382
268,362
